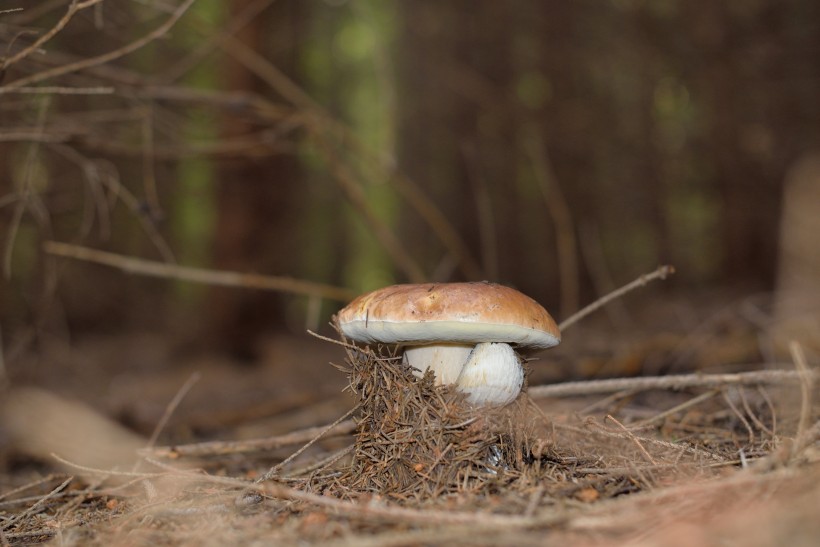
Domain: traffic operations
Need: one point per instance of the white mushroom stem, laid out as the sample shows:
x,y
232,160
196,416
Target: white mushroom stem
x,y
446,360
492,375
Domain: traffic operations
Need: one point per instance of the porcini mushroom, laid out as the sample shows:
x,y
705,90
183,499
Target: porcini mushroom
x,y
466,333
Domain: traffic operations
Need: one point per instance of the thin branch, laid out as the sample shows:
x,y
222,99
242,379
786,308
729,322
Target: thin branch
x,y
739,415
673,382
220,448
151,268
807,377
334,341
358,199
172,406
22,516
106,57
58,90
661,273
633,438
272,472
73,8
409,190
694,401
91,170
400,514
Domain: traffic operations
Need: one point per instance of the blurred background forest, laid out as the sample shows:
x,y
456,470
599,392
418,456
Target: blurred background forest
x,y
559,147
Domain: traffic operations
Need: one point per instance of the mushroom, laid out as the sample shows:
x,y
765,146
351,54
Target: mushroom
x,y
464,332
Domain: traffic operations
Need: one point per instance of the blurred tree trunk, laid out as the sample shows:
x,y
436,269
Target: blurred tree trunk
x,y
256,199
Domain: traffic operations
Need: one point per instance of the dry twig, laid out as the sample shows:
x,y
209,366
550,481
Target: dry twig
x,y
661,273
198,275
222,448
73,8
106,57
672,382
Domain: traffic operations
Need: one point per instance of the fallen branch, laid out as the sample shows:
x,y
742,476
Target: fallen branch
x,y
151,268
673,382
220,448
392,513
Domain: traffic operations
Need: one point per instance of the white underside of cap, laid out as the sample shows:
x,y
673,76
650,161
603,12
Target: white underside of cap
x,y
446,360
430,332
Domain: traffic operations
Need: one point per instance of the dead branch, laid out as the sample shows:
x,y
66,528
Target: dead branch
x,y
672,382
219,448
39,503
806,385
58,90
661,273
106,57
409,190
272,472
73,8
398,514
198,275
170,408
356,196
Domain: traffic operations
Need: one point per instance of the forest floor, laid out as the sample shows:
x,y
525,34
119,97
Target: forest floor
x,y
710,437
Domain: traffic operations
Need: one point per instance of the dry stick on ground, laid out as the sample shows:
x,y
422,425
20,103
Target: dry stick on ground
x,y
806,384
220,448
633,438
354,509
673,382
198,275
805,435
272,472
172,406
324,463
739,415
675,409
31,510
402,514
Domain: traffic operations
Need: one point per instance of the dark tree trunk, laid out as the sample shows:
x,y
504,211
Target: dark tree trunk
x,y
257,207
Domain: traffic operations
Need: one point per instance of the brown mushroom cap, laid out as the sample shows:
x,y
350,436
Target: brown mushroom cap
x,y
432,313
